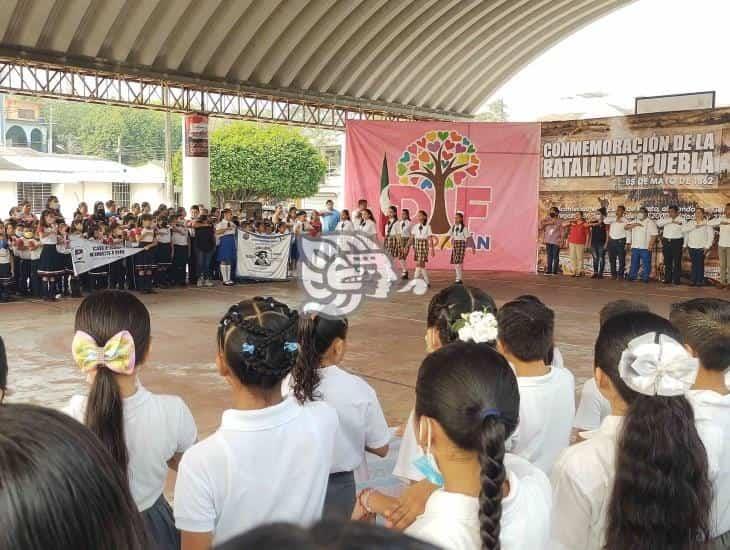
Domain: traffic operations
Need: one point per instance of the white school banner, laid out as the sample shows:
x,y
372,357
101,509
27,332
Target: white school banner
x,y
262,256
86,255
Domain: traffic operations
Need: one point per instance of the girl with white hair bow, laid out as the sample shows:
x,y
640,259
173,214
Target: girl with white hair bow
x,y
642,479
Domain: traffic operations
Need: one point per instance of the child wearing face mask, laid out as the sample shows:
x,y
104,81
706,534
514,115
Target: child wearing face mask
x,y
467,406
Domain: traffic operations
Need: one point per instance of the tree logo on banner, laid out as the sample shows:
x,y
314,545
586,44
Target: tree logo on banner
x,y
438,160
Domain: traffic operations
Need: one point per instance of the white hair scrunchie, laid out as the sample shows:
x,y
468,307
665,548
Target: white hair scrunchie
x,y
662,366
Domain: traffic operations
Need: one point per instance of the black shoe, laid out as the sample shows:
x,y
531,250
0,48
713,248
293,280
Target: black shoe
x,y
404,277
594,276
457,282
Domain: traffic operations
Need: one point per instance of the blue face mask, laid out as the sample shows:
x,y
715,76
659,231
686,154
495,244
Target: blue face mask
x,y
426,464
3,243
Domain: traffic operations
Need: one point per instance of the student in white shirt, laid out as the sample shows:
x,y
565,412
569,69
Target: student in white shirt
x,y
617,237
672,243
392,238
366,225
642,236
344,229
705,326
723,245
145,433
547,395
593,407
225,231
404,232
699,237
362,425
467,405
421,242
270,459
446,313
459,234
641,480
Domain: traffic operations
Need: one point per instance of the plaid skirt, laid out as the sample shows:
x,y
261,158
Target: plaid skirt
x,y
457,252
404,248
420,247
392,246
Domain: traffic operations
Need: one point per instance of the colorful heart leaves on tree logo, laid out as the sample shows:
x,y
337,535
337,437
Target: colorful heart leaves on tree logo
x,y
426,184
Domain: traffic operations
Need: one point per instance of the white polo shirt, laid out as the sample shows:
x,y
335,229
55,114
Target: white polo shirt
x,y
582,479
156,427
404,228
451,520
712,417
640,236
592,408
617,229
672,227
547,407
361,419
723,223
420,231
261,466
180,236
345,226
701,236
391,229
366,226
459,234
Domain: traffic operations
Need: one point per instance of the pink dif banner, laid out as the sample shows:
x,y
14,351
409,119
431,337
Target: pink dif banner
x,y
489,171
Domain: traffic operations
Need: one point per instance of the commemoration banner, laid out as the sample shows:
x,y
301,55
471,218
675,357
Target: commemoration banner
x,y
264,257
651,160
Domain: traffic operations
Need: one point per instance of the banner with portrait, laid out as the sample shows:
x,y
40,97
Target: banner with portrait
x,y
488,171
650,160
262,257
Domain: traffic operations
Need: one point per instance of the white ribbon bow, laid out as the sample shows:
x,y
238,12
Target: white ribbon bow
x,y
657,368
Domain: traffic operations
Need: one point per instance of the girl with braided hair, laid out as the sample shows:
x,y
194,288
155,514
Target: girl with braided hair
x,y
467,405
317,376
271,457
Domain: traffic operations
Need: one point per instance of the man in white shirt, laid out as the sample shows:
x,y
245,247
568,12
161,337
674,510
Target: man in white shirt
x,y
723,246
642,238
699,237
617,242
672,241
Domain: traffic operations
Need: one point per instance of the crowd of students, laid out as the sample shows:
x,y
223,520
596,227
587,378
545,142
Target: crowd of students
x,y
177,248
615,235
486,454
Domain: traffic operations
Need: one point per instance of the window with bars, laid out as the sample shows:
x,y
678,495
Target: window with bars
x,y
35,193
120,194
333,158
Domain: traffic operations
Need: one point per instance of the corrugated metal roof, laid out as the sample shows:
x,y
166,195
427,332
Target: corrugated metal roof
x,y
430,55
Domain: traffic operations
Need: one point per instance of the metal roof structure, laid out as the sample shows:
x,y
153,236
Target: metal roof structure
x,y
437,59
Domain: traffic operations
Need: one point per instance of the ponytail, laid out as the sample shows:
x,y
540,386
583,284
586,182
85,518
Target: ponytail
x,y
316,336
661,495
105,416
492,476
306,370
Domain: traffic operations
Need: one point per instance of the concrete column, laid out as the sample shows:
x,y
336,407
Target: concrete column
x,y
196,163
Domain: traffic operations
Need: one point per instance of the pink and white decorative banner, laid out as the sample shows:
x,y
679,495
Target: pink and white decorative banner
x,y
489,171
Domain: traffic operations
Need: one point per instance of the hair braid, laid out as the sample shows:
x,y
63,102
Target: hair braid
x,y
491,460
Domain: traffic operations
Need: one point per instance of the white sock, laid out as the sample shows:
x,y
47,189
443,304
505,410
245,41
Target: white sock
x,y
458,272
417,273
424,274
225,272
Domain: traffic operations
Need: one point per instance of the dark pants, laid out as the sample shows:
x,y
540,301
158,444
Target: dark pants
x,y
341,496
35,280
672,250
116,274
193,262
617,251
179,261
697,255
23,284
598,251
553,258
205,260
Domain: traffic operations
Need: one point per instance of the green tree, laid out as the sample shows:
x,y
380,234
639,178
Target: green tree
x,y
252,161
98,130
496,112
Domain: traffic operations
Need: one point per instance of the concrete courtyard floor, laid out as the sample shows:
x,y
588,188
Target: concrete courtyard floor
x,y
386,341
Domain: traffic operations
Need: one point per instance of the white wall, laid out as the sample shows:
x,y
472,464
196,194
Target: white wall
x,y
153,193
8,197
